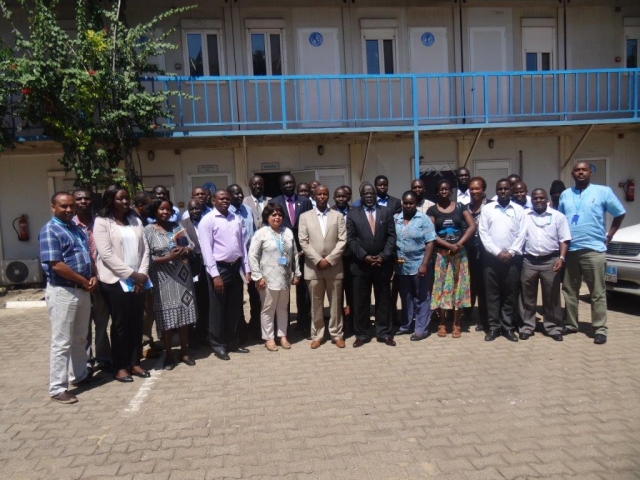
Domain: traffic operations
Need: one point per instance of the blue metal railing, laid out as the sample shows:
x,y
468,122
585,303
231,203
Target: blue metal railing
x,y
296,103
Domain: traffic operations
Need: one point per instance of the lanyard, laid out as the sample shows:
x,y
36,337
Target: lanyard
x,y
504,210
579,204
543,224
278,241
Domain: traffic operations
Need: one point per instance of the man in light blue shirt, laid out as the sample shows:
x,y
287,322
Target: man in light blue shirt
x,y
585,205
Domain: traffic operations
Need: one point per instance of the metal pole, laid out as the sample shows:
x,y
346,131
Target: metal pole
x,y
416,154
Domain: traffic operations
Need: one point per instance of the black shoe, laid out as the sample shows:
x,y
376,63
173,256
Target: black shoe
x,y
169,364
239,350
360,342
125,379
557,337
600,339
492,335
222,354
142,374
512,337
89,381
416,338
387,341
186,359
524,336
568,331
479,328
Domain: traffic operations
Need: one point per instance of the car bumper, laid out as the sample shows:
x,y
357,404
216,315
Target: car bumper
x,y
628,276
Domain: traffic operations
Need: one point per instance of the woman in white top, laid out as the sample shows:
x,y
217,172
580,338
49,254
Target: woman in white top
x,y
273,258
122,263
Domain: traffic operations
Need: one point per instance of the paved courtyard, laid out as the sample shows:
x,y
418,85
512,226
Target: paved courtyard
x,y
445,408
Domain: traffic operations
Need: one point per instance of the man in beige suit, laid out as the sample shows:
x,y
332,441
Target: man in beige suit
x,y
323,238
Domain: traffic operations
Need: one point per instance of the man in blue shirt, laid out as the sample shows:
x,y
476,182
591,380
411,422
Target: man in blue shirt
x,y
585,206
66,261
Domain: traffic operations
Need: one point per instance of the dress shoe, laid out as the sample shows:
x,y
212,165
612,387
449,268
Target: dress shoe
x,y
89,381
187,360
316,344
416,338
479,328
524,336
271,346
492,335
222,354
339,342
169,364
125,379
557,337
600,339
568,331
512,337
239,350
387,341
360,342
284,343
65,398
141,374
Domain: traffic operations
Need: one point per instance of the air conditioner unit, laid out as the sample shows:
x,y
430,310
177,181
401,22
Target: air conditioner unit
x,y
20,272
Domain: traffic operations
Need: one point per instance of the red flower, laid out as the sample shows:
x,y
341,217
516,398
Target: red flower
x,y
26,91
91,72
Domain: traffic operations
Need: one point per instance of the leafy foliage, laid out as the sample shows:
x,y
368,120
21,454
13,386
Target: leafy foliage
x,y
85,91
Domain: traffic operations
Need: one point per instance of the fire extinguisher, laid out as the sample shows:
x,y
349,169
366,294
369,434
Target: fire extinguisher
x,y
629,188
23,228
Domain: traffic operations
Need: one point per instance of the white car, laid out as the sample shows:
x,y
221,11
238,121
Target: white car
x,y
623,261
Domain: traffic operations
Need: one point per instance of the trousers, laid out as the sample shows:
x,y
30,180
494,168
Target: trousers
x,y
502,288
100,320
274,309
225,309
380,280
415,295
332,287
533,272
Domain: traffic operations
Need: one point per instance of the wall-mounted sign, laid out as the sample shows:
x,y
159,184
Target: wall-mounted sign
x,y
270,166
211,187
207,168
315,39
427,39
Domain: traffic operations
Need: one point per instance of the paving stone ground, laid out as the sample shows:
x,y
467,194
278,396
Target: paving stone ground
x,y
445,408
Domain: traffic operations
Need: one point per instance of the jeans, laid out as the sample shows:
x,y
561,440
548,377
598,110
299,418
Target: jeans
x,y
69,313
415,294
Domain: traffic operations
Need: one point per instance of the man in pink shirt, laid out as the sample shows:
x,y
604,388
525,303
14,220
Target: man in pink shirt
x,y
225,257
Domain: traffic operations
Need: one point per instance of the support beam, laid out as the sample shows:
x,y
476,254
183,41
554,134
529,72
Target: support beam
x,y
366,156
473,147
416,154
575,150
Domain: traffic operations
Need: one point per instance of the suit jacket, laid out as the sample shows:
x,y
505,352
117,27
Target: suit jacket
x,y
302,205
108,240
195,261
362,242
394,204
316,246
251,204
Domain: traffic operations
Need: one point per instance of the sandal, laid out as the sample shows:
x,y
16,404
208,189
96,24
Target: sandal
x,y
271,346
442,330
284,343
457,333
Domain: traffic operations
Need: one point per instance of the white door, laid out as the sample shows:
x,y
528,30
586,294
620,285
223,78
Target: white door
x,y
320,100
430,54
487,53
492,171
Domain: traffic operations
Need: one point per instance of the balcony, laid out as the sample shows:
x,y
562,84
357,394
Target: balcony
x,y
230,106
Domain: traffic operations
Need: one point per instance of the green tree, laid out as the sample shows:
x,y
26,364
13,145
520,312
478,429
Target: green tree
x,y
86,92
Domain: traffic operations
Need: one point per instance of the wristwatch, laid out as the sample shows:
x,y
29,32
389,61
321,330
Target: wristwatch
x,y
562,258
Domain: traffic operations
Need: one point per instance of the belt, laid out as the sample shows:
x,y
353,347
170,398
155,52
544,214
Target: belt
x,y
75,286
541,258
228,264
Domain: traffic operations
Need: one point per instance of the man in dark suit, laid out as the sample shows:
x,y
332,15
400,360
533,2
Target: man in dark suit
x,y
384,199
341,196
294,206
371,237
198,335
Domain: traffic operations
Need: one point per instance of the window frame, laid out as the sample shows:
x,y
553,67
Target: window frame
x,y
205,59
631,31
283,53
380,34
553,57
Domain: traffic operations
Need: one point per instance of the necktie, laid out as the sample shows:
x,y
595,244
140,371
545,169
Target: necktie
x,y
292,211
259,205
372,222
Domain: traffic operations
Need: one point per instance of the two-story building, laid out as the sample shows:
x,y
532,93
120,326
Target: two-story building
x,y
344,90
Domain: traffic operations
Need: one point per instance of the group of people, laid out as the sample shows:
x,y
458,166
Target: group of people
x,y
142,261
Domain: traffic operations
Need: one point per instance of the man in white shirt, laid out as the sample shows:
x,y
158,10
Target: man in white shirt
x,y
502,234
323,238
463,176
546,242
417,187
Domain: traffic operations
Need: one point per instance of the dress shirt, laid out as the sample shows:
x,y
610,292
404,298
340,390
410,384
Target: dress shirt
x,y
383,201
322,219
342,211
264,254
88,231
424,205
590,206
205,210
221,241
246,217
544,232
260,203
370,209
502,228
313,201
66,243
464,197
527,205
410,241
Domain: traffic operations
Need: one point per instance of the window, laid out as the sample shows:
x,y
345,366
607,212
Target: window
x,y
631,40
266,52
538,44
379,51
203,53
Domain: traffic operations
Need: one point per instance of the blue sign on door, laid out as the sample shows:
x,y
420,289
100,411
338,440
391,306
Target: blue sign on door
x,y
428,39
315,39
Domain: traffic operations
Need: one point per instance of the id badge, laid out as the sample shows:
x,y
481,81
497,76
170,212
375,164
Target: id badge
x,y
574,219
282,261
